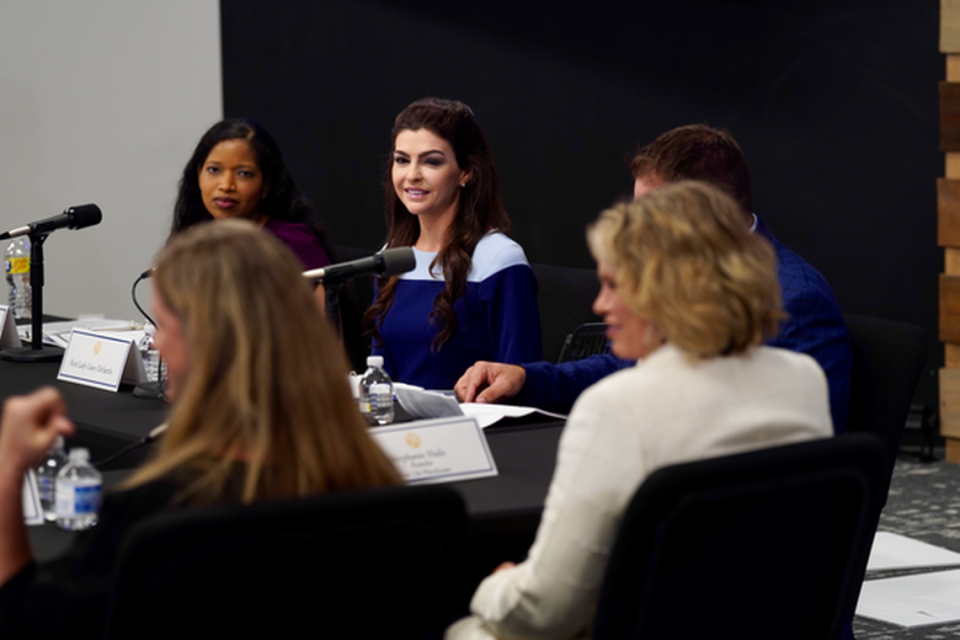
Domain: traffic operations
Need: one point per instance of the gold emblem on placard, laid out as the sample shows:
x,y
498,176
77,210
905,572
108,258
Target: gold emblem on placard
x,y
413,440
97,347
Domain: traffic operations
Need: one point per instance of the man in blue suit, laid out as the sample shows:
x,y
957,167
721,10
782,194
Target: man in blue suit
x,y
815,325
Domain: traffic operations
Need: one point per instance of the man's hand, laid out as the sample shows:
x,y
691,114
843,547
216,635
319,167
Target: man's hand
x,y
29,426
494,382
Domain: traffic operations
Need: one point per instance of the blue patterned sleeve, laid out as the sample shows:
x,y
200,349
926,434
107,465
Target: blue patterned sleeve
x,y
816,327
555,387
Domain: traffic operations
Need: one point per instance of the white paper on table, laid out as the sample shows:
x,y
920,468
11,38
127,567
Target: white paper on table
x,y
32,511
893,551
424,405
488,414
912,601
58,333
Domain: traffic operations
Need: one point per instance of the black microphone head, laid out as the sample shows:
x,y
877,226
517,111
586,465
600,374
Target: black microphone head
x,y
398,260
83,215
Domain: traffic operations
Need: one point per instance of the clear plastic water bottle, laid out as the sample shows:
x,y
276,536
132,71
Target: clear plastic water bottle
x,y
78,492
47,478
17,264
376,393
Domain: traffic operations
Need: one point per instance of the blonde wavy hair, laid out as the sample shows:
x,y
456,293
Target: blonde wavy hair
x,y
686,262
266,384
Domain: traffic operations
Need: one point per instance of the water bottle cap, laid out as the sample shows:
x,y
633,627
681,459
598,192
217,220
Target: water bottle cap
x,y
80,454
374,361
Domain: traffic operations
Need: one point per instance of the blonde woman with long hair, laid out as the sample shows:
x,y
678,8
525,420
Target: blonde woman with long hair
x,y
688,291
262,410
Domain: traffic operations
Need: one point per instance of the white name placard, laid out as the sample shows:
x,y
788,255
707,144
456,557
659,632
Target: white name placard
x,y
441,450
8,329
101,361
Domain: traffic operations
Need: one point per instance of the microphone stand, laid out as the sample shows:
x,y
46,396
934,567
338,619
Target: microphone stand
x,y
37,351
146,390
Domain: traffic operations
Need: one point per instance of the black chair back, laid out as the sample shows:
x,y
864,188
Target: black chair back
x,y
565,300
758,545
588,340
888,358
354,565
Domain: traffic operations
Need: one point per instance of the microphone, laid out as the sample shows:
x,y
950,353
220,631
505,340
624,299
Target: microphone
x,y
389,262
78,217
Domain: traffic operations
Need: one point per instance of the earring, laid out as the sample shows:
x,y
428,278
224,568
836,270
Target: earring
x,y
463,184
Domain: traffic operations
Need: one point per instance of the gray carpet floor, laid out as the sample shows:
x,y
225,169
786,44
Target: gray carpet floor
x,y
924,504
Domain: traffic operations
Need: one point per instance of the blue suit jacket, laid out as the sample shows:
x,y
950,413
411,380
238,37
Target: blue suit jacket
x,y
815,327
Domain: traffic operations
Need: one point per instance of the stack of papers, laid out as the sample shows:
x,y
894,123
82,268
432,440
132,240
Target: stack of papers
x,y
892,551
911,601
422,404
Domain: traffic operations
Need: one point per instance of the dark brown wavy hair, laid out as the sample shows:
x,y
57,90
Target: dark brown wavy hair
x,y
480,209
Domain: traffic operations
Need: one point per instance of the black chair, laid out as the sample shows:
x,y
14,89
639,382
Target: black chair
x,y
565,300
589,339
763,544
888,358
355,565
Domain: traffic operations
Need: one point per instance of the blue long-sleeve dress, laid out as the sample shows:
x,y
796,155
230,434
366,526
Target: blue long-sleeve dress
x,y
497,318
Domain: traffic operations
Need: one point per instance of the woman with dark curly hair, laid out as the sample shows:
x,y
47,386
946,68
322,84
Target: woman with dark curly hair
x,y
472,295
237,171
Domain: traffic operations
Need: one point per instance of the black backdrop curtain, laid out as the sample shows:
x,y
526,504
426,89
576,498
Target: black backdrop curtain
x,y
834,103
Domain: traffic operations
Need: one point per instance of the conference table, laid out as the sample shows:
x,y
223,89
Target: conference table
x,y
504,507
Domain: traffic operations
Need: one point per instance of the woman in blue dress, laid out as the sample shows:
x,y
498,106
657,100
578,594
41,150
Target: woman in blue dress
x,y
472,295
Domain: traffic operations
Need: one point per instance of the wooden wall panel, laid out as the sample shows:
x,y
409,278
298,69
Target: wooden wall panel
x,y
952,164
953,68
950,403
949,26
951,356
948,212
951,261
948,231
950,308
950,116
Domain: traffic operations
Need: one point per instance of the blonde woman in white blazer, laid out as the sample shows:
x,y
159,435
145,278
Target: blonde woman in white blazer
x,y
692,294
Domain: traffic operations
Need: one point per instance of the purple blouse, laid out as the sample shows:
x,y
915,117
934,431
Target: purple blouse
x,y
301,241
